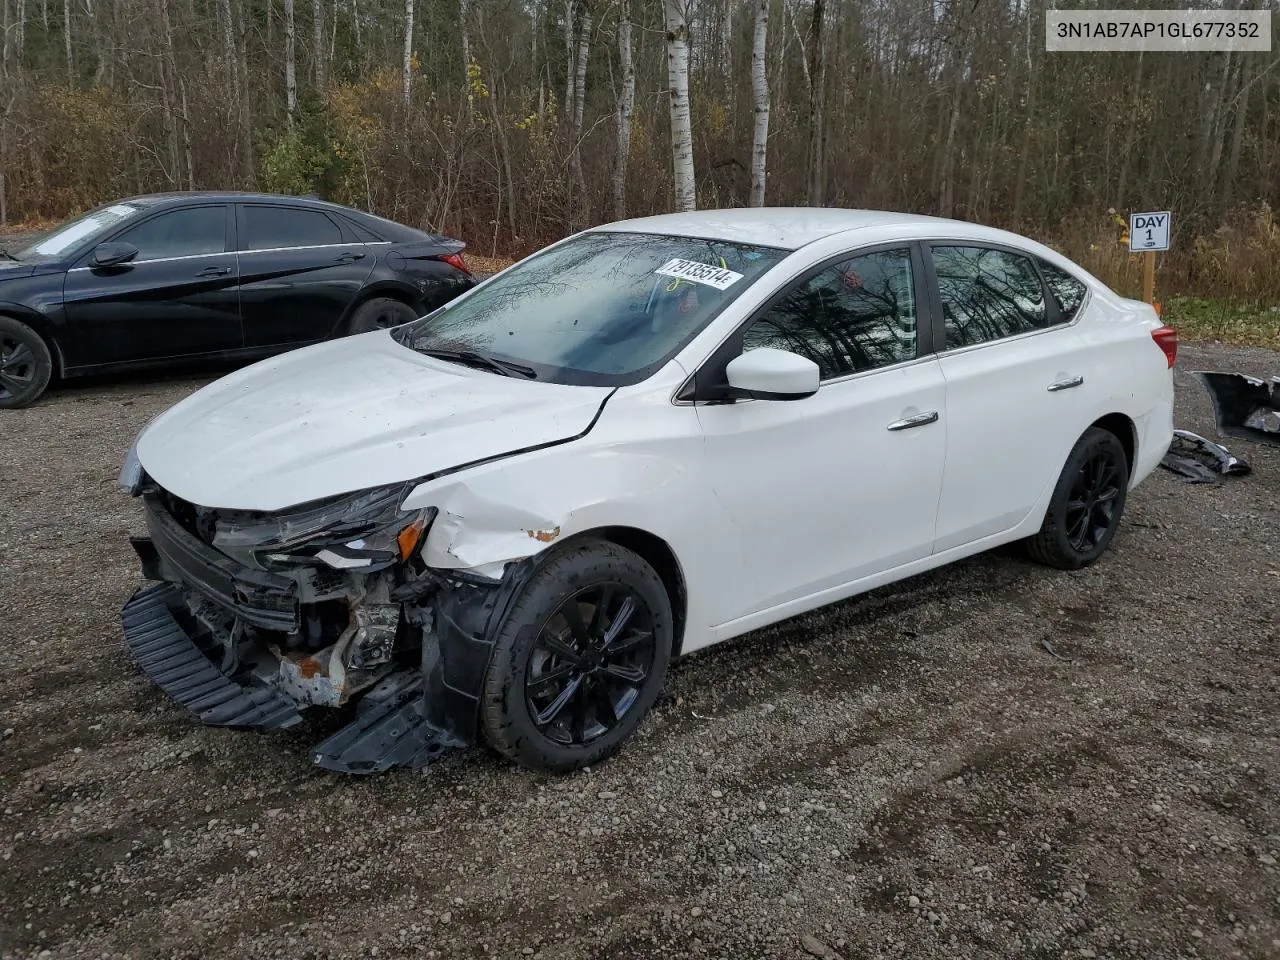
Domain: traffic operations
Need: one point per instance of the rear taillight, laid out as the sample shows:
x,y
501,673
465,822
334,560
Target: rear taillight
x,y
455,260
1166,339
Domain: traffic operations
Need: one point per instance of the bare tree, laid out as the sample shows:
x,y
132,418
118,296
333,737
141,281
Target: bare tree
x,y
408,50
66,37
290,62
626,107
760,91
675,15
817,74
320,59
464,29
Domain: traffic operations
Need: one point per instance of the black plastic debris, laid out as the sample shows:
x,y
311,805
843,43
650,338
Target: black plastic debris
x,y
1198,460
1244,406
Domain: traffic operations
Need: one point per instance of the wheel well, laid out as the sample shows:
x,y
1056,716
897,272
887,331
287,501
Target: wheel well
x,y
1121,427
655,551
378,293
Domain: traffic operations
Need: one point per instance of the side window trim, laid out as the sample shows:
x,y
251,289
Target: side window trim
x,y
1052,314
711,370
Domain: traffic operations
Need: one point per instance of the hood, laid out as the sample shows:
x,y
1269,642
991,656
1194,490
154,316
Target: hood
x,y
345,415
9,269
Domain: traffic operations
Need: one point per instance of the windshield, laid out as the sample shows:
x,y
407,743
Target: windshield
x,y
71,234
604,309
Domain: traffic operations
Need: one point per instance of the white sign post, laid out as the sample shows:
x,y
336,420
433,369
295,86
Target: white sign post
x,y
1149,232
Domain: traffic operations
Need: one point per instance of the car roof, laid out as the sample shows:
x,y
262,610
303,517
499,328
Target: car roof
x,y
790,228
391,229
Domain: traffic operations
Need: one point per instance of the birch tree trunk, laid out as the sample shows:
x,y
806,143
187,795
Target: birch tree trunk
x,y
290,62
677,26
582,29
408,50
7,47
66,37
320,59
760,90
19,35
626,107
817,181
570,25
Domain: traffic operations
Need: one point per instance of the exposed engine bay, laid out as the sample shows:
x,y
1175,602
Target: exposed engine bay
x,y
257,617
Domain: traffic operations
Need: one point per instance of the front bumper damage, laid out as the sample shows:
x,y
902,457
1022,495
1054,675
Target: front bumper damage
x,y
400,652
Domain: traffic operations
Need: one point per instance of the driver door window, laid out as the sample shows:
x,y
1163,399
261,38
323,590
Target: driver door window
x,y
189,232
853,316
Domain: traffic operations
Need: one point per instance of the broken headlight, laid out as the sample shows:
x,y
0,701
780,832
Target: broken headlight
x,y
364,531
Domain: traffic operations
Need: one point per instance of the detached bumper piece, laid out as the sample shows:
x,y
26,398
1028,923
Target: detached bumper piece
x,y
391,729
163,649
1244,406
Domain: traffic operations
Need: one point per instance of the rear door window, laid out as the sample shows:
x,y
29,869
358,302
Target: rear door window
x,y
987,294
274,228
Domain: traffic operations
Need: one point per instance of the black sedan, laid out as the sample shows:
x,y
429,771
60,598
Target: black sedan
x,y
163,278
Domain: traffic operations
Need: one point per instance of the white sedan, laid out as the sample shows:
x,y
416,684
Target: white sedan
x,y
501,521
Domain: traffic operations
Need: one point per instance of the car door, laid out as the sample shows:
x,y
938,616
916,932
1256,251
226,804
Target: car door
x,y
300,270
843,484
1018,388
177,297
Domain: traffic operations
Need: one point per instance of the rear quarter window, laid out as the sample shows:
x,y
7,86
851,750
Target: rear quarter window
x,y
1067,291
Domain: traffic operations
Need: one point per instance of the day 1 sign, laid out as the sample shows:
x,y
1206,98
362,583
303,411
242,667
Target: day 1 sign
x,y
1149,231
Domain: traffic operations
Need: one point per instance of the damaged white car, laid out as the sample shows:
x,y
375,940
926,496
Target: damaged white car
x,y
501,521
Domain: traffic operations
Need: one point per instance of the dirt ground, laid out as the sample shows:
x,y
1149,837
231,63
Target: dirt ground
x,y
909,775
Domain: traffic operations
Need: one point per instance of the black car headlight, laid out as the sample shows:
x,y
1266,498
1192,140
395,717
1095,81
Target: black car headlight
x,y
364,531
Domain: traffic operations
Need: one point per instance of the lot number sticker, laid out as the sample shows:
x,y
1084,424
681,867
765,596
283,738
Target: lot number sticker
x,y
1149,231
703,273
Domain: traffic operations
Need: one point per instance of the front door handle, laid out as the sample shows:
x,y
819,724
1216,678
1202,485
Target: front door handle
x,y
1066,384
214,272
919,420
350,258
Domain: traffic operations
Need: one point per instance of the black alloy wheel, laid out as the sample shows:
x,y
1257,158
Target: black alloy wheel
x,y
590,663
26,365
1091,508
381,313
1087,503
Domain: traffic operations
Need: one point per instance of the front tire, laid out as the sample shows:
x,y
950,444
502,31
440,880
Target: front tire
x,y
1088,501
579,659
381,313
25,364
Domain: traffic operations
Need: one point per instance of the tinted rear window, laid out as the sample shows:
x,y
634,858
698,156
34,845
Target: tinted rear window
x,y
269,228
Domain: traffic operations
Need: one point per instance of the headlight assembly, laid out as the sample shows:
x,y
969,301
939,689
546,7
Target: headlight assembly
x,y
366,530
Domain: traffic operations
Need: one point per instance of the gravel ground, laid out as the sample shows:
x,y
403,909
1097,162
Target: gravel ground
x,y
908,775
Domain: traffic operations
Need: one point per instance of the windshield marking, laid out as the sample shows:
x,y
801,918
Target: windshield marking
x,y
703,273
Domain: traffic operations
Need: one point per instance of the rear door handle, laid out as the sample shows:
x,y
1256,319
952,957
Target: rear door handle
x,y
350,257
1066,384
214,272
919,420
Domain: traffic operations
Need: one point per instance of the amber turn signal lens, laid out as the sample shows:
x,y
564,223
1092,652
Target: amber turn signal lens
x,y
408,538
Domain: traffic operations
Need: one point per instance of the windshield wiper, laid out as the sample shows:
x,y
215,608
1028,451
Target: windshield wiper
x,y
474,358
8,256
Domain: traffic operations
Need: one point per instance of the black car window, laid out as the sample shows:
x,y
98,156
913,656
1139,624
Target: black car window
x,y
855,315
987,294
363,233
270,228
1065,289
188,232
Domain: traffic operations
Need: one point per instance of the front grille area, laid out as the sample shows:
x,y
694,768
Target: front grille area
x,y
260,598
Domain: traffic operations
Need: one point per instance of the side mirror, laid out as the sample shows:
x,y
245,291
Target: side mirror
x,y
769,374
112,254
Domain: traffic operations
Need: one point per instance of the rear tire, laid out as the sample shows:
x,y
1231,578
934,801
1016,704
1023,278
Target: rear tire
x,y
380,313
25,364
579,659
1088,501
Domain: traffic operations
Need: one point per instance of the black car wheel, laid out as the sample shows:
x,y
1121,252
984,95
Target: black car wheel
x,y
579,659
1087,503
381,313
25,364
